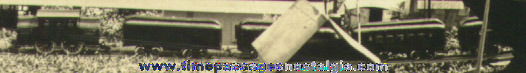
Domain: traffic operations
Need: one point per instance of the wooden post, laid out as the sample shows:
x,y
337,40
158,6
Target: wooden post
x,y
325,6
429,9
483,37
359,25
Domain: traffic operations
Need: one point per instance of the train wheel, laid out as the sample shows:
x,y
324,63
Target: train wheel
x,y
157,51
203,53
139,51
187,53
194,53
44,48
75,48
249,55
103,50
254,54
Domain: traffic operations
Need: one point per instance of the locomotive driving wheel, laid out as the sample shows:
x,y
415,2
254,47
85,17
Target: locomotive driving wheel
x,y
73,48
44,48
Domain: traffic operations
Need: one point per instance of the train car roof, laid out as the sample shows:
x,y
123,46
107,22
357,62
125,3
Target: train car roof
x,y
468,19
403,22
268,21
170,19
172,22
264,24
387,28
223,6
58,13
402,25
256,22
470,22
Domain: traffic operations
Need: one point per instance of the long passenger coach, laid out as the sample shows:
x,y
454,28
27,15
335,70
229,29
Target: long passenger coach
x,y
162,33
403,36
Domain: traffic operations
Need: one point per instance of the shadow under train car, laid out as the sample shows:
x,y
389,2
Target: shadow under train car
x,y
191,37
423,36
51,30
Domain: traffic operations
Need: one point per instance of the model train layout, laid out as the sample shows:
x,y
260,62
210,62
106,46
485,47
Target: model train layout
x,y
196,34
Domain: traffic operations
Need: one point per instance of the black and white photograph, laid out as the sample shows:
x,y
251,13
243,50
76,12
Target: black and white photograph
x,y
262,36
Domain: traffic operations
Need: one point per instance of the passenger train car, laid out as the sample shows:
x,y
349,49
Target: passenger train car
x,y
159,33
422,35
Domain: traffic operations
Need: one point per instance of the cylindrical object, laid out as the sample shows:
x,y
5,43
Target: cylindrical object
x,y
325,2
359,25
483,37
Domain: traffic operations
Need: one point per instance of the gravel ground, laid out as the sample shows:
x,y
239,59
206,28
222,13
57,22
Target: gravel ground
x,y
6,37
444,67
33,63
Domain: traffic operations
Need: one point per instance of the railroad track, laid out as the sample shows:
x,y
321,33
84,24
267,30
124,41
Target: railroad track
x,y
500,57
128,51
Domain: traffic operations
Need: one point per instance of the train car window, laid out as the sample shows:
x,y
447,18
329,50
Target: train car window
x,y
375,14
